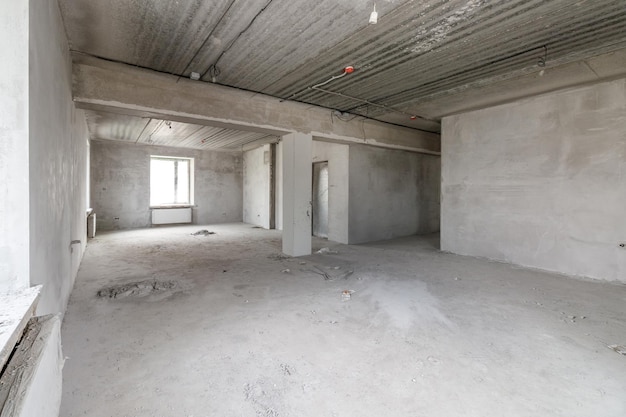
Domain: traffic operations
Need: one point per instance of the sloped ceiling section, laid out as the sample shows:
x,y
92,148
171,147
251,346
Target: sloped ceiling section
x,y
420,51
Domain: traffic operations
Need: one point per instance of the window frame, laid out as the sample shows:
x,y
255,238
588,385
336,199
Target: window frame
x,y
190,176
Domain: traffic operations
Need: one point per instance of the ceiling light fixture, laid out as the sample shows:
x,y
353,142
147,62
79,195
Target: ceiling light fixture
x,y
194,76
374,16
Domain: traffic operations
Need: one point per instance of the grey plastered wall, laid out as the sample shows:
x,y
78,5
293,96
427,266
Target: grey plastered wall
x,y
120,184
337,156
57,161
392,193
256,186
540,182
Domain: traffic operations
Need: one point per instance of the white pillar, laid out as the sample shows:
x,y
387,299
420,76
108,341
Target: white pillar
x,y
14,140
297,189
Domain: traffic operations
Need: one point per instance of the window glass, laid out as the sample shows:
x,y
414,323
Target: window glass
x,y
169,181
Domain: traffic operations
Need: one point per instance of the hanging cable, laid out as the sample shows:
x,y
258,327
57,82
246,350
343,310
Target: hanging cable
x,y
214,72
207,38
230,45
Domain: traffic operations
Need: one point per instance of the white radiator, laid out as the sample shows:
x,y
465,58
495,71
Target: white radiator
x,y
171,215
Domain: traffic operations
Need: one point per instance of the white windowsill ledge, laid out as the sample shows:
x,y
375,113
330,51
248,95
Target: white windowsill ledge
x,y
16,309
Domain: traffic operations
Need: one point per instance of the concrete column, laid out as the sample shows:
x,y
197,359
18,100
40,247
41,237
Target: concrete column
x,y
14,142
297,189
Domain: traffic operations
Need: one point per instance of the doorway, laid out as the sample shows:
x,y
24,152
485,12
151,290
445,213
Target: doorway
x,y
319,202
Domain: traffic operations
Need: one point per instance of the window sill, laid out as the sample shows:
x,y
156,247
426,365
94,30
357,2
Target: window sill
x,y
16,308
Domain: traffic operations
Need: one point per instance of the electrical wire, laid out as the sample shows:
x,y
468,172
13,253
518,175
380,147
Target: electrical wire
x,y
485,65
334,77
342,116
346,71
371,103
207,39
230,45
214,72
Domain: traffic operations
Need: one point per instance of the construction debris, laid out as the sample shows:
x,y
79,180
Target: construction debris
x,y
326,275
621,349
202,232
347,274
323,273
327,251
278,256
137,289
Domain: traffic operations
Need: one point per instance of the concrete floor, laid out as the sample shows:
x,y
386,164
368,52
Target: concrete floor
x,y
242,332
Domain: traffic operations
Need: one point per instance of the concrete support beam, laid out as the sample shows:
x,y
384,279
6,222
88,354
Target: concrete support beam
x,y
297,189
120,88
14,147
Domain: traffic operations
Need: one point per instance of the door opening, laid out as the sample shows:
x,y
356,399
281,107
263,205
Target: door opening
x,y
319,201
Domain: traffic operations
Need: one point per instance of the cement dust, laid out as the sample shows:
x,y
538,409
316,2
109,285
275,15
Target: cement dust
x,y
411,341
139,289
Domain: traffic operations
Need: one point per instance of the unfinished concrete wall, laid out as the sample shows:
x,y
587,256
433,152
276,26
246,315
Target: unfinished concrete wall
x,y
540,182
57,161
256,186
392,193
14,132
338,187
120,184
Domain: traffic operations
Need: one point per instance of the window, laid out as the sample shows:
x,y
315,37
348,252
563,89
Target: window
x,y
171,181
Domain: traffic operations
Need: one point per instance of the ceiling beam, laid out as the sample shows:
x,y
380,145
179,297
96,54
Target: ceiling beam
x,y
119,88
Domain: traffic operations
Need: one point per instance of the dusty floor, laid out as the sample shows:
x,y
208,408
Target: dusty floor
x,y
234,330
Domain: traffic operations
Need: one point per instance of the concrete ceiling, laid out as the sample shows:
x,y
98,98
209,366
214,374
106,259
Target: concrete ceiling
x,y
150,131
423,58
